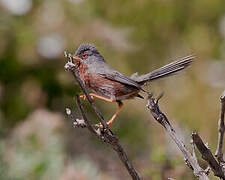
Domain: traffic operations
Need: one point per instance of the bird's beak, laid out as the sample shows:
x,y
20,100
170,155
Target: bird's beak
x,y
76,58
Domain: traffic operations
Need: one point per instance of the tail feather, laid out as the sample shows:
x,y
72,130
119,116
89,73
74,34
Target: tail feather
x,y
167,70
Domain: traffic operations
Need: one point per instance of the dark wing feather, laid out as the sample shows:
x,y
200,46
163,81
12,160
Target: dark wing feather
x,y
116,76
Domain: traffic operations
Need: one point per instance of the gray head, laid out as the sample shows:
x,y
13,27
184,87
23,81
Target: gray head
x,y
88,52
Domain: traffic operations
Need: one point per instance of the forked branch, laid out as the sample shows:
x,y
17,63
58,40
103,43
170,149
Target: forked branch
x,y
161,118
217,166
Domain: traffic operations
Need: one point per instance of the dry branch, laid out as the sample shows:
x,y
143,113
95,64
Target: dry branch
x,y
208,156
161,118
191,160
221,129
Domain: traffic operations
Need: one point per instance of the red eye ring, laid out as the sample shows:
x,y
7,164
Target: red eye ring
x,y
84,56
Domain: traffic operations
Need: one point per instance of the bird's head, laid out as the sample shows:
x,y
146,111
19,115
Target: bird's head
x,y
87,53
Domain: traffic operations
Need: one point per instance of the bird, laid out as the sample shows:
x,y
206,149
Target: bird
x,y
112,86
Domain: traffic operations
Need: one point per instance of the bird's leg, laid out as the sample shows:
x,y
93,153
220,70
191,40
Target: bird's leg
x,y
101,97
120,105
97,96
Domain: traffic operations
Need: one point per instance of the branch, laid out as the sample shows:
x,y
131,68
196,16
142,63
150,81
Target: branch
x,y
161,118
208,156
104,133
221,129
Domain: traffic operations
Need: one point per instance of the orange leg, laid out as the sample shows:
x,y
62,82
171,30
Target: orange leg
x,y
97,96
120,105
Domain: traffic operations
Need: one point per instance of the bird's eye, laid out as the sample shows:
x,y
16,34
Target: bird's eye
x,y
84,56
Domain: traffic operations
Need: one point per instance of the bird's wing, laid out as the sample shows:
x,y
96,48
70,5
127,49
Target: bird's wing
x,y
116,76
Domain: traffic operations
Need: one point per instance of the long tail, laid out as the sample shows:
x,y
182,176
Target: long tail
x,y
167,70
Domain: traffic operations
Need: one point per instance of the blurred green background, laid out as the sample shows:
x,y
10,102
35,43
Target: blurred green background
x,y
37,140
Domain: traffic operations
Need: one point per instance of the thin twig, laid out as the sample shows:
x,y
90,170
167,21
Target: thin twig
x,y
193,151
163,120
76,122
105,133
221,129
208,156
87,122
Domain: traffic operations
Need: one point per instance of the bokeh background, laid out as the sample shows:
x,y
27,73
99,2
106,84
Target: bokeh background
x,y
37,140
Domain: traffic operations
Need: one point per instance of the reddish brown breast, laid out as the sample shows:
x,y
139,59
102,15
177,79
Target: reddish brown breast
x,y
82,71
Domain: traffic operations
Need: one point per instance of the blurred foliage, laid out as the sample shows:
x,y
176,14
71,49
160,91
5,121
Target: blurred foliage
x,y
133,36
